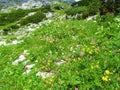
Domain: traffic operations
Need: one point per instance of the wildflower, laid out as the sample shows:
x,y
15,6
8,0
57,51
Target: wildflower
x,y
82,53
93,46
97,50
91,52
76,88
105,78
110,51
97,66
107,72
118,79
92,66
79,58
98,62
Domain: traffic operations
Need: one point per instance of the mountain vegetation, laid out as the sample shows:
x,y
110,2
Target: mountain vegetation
x,y
61,46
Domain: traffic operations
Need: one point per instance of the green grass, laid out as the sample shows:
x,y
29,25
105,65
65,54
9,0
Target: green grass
x,y
91,53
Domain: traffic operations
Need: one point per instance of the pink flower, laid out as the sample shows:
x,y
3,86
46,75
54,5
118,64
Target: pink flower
x,y
76,88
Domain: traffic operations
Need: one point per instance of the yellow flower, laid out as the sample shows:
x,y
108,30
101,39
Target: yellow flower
x,y
97,66
92,66
79,58
91,52
105,78
118,79
107,72
98,62
48,63
110,51
74,59
93,46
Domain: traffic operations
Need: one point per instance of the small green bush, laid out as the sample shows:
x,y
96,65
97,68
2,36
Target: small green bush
x,y
6,18
82,12
99,6
80,3
15,26
93,7
76,10
59,6
105,19
46,9
13,16
10,20
11,27
39,16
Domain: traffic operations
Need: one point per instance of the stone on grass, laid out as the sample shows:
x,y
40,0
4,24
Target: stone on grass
x,y
44,74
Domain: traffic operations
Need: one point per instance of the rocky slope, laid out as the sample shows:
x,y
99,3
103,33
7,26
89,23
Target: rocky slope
x,y
7,3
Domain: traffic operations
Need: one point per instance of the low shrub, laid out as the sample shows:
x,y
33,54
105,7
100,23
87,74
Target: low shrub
x,y
105,19
80,3
46,9
84,7
109,6
10,20
39,16
15,26
11,27
6,18
93,7
76,10
59,5
81,12
13,16
102,6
